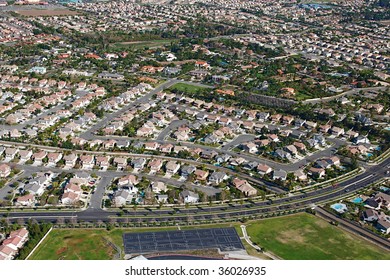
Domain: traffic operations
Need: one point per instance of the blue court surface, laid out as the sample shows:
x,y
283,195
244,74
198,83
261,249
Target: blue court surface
x,y
225,239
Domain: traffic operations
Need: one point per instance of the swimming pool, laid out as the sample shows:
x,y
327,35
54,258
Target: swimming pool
x,y
369,154
339,207
357,200
384,189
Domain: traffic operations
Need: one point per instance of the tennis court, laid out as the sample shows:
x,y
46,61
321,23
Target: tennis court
x,y
225,239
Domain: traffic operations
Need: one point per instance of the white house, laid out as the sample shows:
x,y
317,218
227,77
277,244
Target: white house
x,y
189,196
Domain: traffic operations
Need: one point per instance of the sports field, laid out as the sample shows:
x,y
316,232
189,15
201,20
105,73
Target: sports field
x,y
300,237
88,244
78,244
307,237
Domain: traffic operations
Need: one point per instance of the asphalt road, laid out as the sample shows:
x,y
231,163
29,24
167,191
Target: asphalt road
x,y
7,189
171,127
259,182
298,201
97,197
289,167
88,134
237,141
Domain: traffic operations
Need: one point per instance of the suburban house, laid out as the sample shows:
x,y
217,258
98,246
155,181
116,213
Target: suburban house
x,y
155,165
370,215
25,155
372,203
249,147
72,193
10,153
122,143
189,196
102,161
39,156
263,169
222,158
209,154
36,187
300,175
172,167
87,161
300,146
13,244
181,135
384,199
383,224
244,187
128,180
187,170
283,154
120,162
54,157
361,140
152,146
310,125
70,160
323,164
7,253
158,187
324,128
273,137
317,172
80,178
5,170
334,160
280,175
138,163
337,131
201,175
25,200
319,139
166,148
217,177
122,197
291,149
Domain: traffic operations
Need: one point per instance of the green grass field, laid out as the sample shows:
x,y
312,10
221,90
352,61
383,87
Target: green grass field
x,y
68,244
88,244
301,237
144,44
181,87
306,237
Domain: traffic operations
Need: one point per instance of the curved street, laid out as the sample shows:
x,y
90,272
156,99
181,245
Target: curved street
x,y
297,202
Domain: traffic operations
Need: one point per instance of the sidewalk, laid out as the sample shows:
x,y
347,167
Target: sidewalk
x,y
247,239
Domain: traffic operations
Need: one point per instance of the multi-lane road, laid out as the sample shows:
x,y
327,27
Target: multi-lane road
x,y
220,211
296,202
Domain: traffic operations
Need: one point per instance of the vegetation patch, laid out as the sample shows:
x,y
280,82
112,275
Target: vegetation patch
x,y
89,244
48,13
189,89
68,244
306,237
